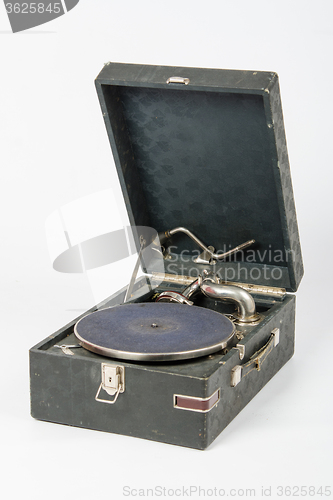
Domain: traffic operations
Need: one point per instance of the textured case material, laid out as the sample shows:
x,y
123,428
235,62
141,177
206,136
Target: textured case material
x,y
63,387
211,156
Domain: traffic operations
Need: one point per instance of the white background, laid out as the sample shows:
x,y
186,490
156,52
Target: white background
x,y
54,149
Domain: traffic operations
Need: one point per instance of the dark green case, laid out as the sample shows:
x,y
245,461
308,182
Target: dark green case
x,y
204,149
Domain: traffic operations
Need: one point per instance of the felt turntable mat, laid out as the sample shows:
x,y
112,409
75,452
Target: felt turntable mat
x,y
154,331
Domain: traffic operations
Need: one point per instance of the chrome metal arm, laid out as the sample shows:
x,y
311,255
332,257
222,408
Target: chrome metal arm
x,y
209,250
209,286
192,288
245,302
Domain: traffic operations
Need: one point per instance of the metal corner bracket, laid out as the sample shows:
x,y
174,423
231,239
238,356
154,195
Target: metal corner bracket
x,y
191,403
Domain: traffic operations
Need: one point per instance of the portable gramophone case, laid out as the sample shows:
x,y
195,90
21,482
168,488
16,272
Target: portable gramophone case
x,y
202,160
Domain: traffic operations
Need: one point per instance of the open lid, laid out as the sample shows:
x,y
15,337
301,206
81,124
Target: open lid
x,y
205,149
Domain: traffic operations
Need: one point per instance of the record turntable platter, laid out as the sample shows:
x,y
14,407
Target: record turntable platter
x,y
154,331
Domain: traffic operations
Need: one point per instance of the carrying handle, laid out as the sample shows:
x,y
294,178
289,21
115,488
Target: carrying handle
x,y
178,79
238,372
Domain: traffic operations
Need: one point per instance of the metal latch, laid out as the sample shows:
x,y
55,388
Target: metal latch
x,y
178,79
113,382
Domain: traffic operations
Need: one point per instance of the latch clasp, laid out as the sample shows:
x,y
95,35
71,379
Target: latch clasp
x,y
178,79
113,382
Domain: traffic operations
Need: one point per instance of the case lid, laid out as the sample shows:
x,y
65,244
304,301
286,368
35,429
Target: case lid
x,y
206,149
